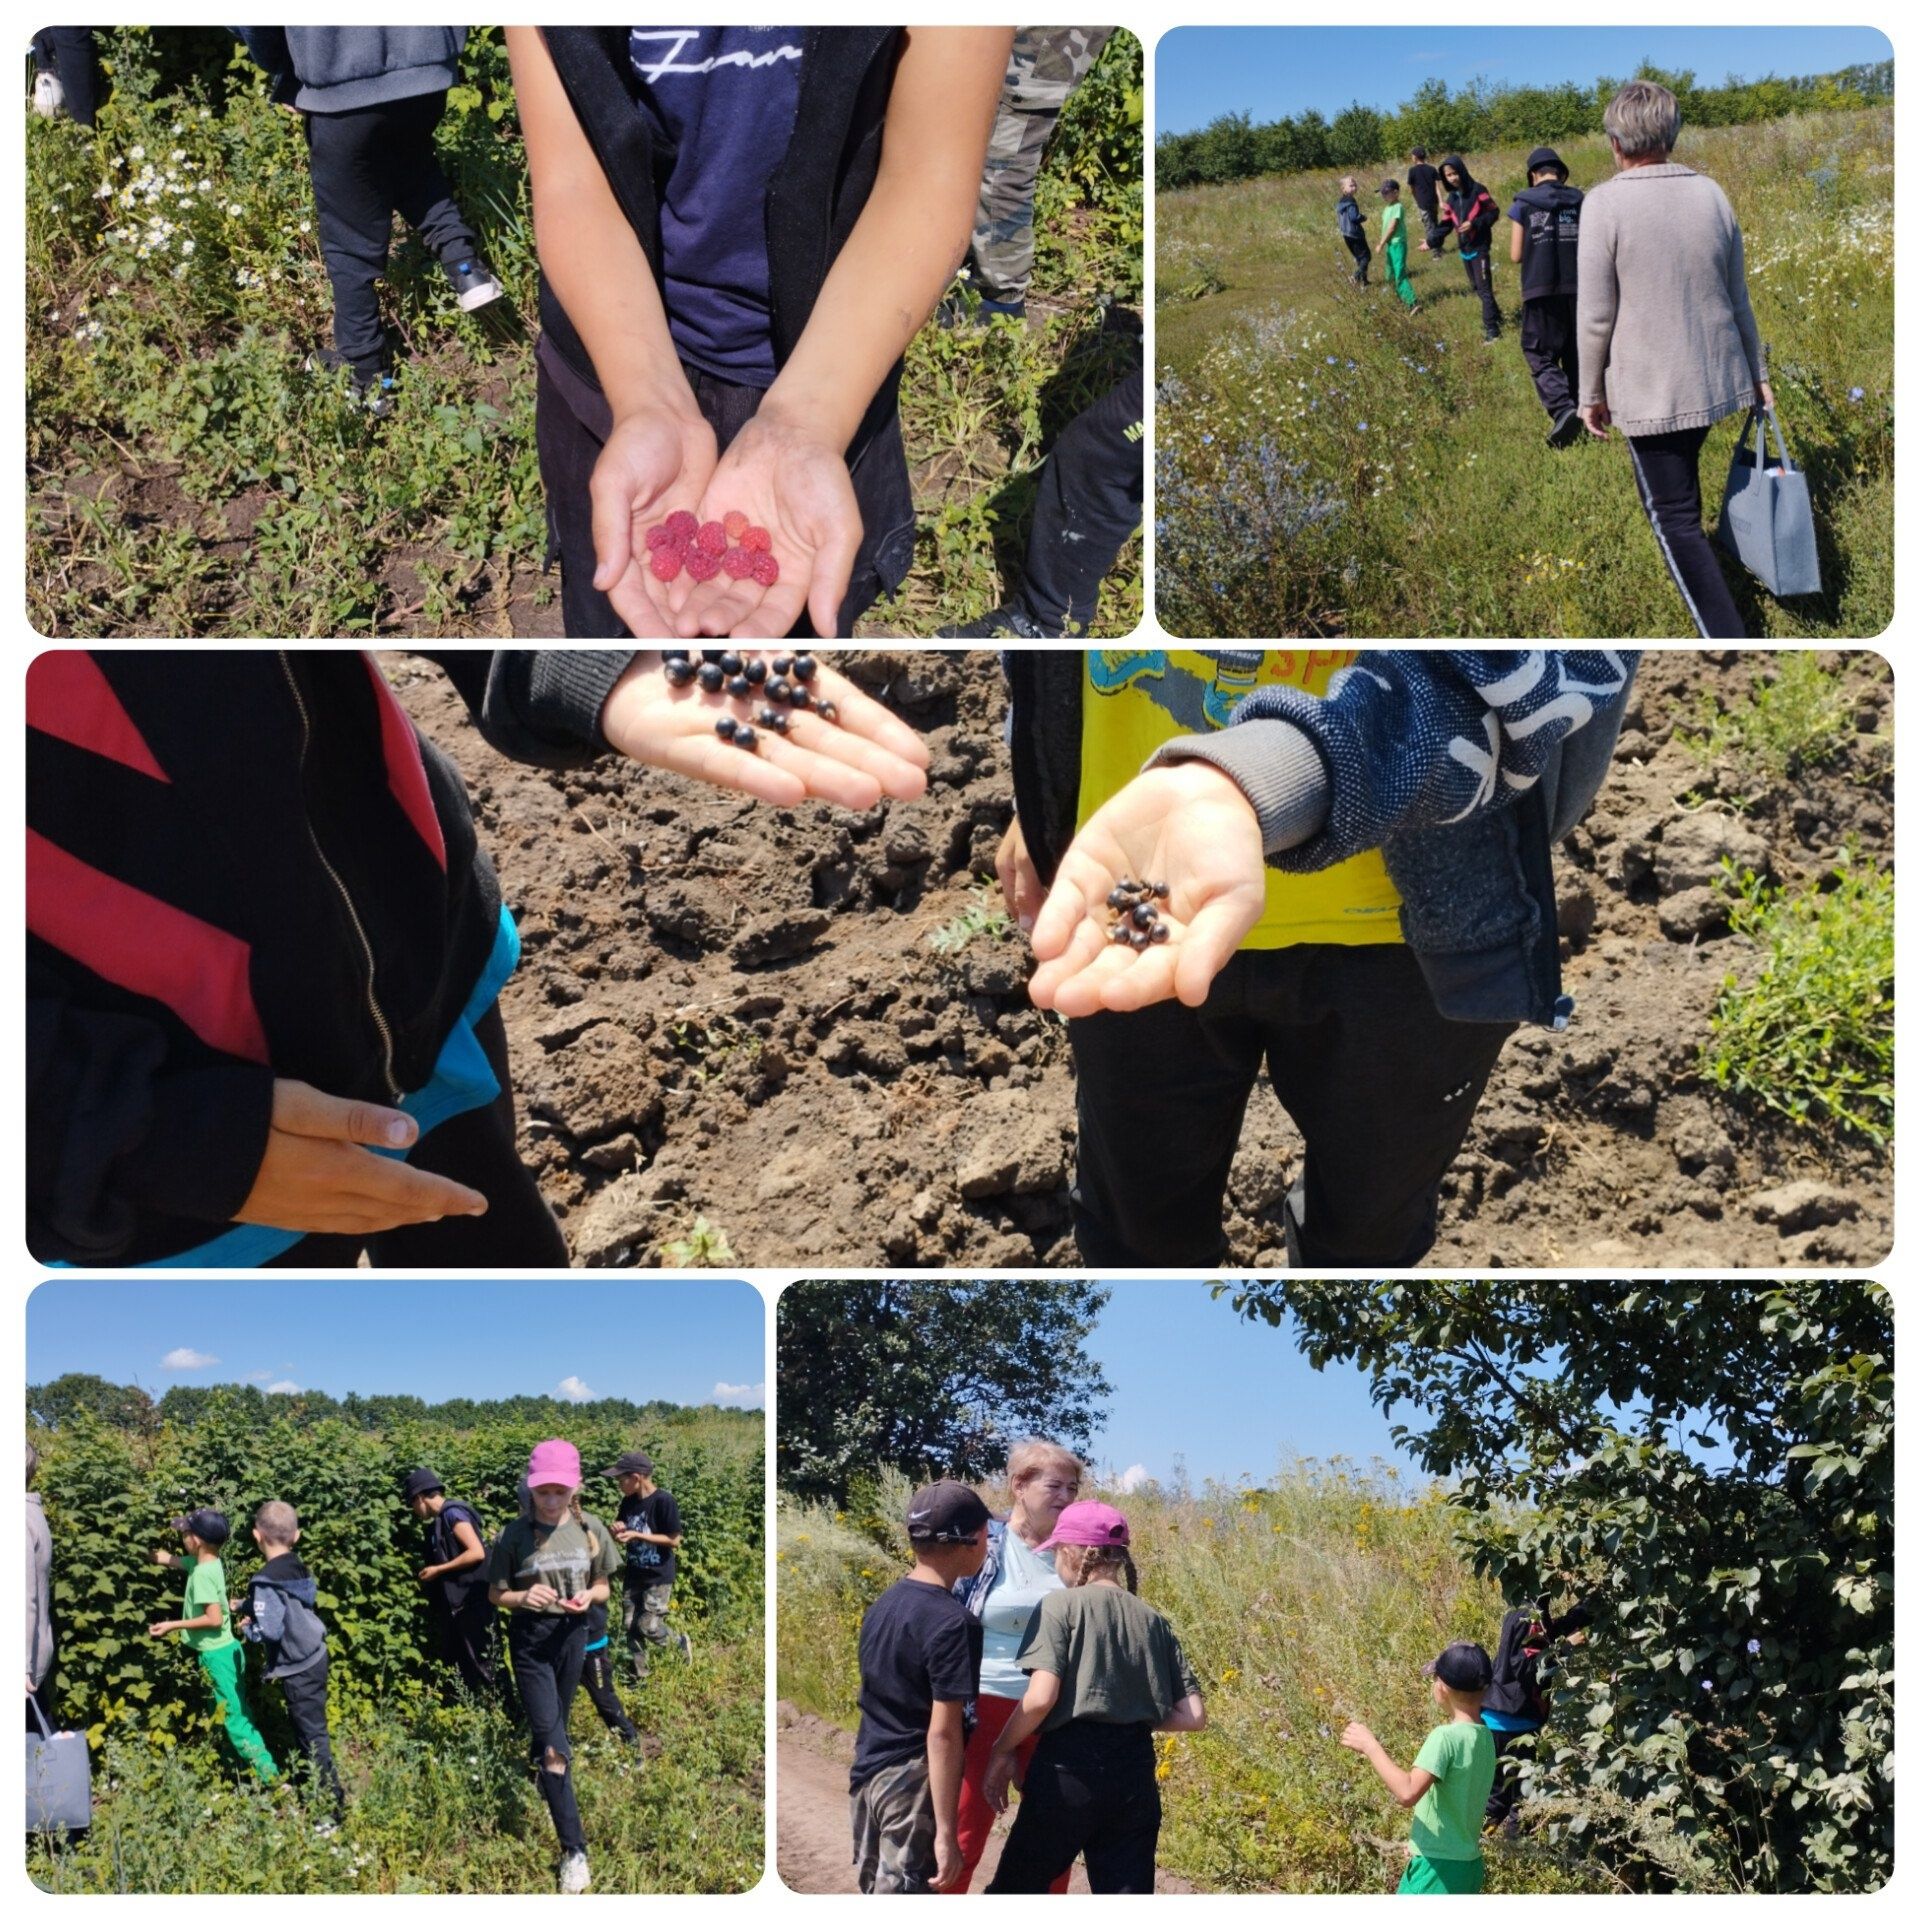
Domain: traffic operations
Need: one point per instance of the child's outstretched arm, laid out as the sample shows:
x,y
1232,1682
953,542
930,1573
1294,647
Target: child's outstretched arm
x,y
1406,1785
787,468
660,454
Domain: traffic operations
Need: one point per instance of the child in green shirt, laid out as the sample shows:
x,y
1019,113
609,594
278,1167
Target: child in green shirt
x,y
1447,1784
1393,241
209,1632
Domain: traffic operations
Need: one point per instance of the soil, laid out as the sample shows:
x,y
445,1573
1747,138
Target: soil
x,y
814,1829
737,1016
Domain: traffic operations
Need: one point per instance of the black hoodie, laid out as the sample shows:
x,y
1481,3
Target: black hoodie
x,y
1471,209
1525,1637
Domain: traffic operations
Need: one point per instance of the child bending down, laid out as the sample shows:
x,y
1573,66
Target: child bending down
x,y
1108,1674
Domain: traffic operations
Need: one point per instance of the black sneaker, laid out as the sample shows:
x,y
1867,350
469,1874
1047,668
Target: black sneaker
x,y
473,283
1566,430
1003,623
372,383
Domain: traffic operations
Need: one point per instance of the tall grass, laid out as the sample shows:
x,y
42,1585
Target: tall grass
x,y
1327,463
1302,1603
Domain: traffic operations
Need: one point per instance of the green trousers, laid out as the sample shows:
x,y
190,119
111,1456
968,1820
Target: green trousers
x,y
1397,268
223,1667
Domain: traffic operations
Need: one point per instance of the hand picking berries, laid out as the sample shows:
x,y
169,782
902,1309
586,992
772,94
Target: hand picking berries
x,y
733,546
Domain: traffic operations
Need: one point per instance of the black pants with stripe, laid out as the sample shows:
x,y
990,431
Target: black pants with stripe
x,y
1666,469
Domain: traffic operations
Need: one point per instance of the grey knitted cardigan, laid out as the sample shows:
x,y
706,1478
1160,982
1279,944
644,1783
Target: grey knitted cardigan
x,y
1666,334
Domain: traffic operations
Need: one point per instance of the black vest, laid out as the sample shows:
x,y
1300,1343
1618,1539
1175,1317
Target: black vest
x,y
1550,255
816,194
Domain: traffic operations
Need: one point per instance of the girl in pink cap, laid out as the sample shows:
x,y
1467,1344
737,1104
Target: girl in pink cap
x,y
1106,1675
549,1568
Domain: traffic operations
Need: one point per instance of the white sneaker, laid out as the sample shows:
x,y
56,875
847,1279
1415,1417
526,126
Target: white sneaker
x,y
49,96
574,1877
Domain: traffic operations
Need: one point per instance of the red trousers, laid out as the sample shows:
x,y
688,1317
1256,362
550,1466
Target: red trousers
x,y
975,1820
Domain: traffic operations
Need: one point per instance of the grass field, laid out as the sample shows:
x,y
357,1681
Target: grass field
x,y
1328,464
1302,1603
184,477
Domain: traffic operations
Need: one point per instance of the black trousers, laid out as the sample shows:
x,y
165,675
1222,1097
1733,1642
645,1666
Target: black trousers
x,y
1089,1790
571,424
1435,235
464,1639
1551,349
367,166
1480,279
596,1675
480,1150
1666,470
1087,506
70,52
548,1653
306,1694
1362,256
1380,1085
1504,1795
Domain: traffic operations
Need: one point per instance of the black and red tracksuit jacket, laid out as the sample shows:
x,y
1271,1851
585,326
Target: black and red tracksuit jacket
x,y
244,865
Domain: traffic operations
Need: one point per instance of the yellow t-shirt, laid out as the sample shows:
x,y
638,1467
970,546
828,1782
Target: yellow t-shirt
x,y
1136,701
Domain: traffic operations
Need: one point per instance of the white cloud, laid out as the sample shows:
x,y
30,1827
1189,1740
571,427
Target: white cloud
x,y
726,1396
286,1386
575,1389
259,1374
187,1360
1135,1477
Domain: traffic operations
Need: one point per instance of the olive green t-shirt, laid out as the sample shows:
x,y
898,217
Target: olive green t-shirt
x,y
207,1584
569,1558
1117,1660
1447,1822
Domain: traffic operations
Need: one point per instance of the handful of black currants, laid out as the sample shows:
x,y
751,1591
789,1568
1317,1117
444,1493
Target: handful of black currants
x,y
785,682
1136,916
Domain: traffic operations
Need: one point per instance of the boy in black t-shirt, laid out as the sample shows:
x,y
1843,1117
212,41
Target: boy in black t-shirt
x,y
648,1528
455,1577
1423,183
1545,246
919,1667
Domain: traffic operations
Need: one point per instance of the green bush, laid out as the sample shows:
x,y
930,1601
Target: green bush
x,y
1801,717
1810,1035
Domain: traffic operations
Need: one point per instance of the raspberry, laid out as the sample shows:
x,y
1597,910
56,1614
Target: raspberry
x,y
701,565
682,525
737,563
735,523
766,569
666,563
713,537
660,538
757,540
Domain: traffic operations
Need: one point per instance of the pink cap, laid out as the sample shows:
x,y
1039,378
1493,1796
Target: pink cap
x,y
554,1463
1089,1523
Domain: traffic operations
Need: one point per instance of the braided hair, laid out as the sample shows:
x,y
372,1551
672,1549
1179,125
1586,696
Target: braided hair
x,y
1093,1559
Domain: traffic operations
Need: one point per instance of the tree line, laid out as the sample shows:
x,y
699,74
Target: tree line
x,y
1481,115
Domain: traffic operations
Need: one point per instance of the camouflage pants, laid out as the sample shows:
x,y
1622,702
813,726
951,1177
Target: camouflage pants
x,y
893,1829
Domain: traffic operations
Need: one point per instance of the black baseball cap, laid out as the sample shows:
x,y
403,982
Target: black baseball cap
x,y
1464,1667
204,1524
634,1462
946,1512
1545,157
1388,186
421,1480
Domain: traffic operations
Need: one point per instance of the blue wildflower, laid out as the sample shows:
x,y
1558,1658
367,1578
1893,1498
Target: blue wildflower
x,y
1361,428
1856,394
1753,1646
1333,360
1706,1686
1206,439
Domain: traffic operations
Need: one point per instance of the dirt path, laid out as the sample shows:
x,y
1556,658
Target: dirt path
x,y
813,1827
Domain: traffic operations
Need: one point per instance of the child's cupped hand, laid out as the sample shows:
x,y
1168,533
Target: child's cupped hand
x,y
795,485
656,461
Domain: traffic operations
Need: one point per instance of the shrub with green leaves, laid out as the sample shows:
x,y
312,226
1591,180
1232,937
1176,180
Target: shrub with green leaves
x,y
1799,717
1809,1036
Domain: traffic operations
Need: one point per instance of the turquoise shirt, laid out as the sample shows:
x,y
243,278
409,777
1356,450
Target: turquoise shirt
x,y
1024,1577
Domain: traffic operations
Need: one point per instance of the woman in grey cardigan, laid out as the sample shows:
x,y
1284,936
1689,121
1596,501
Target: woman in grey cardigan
x,y
1668,343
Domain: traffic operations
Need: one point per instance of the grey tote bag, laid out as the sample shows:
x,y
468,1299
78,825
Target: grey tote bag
x,y
59,1779
1766,521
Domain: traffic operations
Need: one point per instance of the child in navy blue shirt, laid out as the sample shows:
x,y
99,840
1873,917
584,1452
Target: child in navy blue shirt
x,y
1353,228
1545,246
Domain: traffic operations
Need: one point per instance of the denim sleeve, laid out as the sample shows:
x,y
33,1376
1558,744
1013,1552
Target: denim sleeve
x,y
1406,740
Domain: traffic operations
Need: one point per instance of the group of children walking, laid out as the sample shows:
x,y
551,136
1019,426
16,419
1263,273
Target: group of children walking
x,y
1104,1673
551,1571
1544,244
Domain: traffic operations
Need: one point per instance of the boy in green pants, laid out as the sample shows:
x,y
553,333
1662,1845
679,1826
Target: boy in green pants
x,y
1393,241
209,1631
1448,1782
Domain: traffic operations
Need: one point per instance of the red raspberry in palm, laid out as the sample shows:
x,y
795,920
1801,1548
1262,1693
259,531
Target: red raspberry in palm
x,y
757,540
701,565
736,524
665,563
662,537
736,563
713,537
682,525
766,569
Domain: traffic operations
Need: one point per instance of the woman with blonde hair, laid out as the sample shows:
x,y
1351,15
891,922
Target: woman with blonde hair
x,y
1042,1479
1105,1674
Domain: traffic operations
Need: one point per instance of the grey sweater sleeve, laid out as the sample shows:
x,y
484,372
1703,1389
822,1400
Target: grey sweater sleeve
x,y
1743,319
1597,304
1275,765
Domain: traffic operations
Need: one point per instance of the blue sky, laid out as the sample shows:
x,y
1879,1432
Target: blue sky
x,y
1193,1383
1273,72
688,1341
